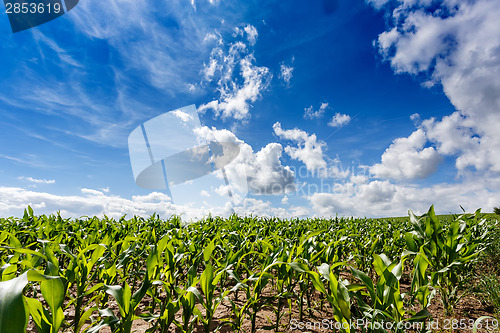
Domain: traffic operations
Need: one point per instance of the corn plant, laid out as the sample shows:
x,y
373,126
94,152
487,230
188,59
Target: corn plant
x,y
14,312
449,249
179,274
383,301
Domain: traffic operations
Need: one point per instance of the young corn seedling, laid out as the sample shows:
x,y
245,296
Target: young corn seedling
x,y
127,304
79,273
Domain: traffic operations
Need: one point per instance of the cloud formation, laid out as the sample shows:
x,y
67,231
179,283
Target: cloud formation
x,y
407,159
37,181
310,113
286,72
13,201
308,149
456,44
264,170
380,198
339,120
240,81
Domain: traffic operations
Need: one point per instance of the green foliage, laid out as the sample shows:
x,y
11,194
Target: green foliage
x,y
489,289
175,275
450,249
13,309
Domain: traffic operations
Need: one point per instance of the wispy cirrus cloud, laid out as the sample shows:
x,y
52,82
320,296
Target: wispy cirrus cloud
x,y
37,181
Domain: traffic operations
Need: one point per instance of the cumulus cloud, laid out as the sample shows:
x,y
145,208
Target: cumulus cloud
x,y
264,170
308,150
266,209
456,44
407,159
339,120
230,64
310,113
382,198
14,200
91,202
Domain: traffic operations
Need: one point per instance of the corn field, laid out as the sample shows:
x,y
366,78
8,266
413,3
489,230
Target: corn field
x,y
92,274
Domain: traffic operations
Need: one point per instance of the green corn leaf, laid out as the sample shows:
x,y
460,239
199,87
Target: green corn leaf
x,y
318,285
420,316
206,281
40,315
85,316
207,252
410,242
140,293
13,311
298,267
53,293
122,296
366,280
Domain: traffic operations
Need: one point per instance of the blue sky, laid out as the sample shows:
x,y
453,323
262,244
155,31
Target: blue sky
x,y
365,108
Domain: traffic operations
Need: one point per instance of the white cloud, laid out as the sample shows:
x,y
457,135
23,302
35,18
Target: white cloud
x,y
209,71
407,159
230,66
309,150
91,192
310,113
377,3
266,209
264,170
457,44
185,117
252,34
382,199
14,200
339,120
37,181
286,72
